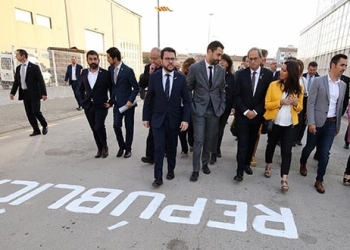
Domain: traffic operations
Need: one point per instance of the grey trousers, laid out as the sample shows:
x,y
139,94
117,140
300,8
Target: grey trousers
x,y
205,130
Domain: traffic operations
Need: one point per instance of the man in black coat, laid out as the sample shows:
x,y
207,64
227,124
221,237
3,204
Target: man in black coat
x,y
30,83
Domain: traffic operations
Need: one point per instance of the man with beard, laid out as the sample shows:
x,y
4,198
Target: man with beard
x,y
249,95
324,112
164,114
124,92
94,88
206,83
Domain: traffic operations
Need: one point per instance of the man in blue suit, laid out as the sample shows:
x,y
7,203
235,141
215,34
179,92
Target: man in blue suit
x,y
73,75
167,110
124,92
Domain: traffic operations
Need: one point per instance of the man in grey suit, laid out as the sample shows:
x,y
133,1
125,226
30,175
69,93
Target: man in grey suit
x,y
206,83
324,112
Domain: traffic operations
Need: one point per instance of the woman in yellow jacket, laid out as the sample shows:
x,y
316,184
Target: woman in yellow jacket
x,y
283,102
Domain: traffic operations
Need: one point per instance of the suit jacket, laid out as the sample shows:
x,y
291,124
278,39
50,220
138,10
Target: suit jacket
x,y
318,102
201,93
99,94
276,76
78,69
126,88
35,82
243,94
156,106
143,82
346,98
230,83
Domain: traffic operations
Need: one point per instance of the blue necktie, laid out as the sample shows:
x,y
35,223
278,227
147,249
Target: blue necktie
x,y
167,86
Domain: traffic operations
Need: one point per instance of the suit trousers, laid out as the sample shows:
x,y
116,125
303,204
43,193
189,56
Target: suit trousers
x,y
164,135
75,88
183,141
129,127
247,136
323,139
222,124
205,130
347,170
150,145
32,108
287,137
96,117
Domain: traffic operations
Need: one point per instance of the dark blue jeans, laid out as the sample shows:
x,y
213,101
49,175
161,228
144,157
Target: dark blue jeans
x,y
323,139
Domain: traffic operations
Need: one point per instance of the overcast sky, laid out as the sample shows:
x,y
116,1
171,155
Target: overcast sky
x,y
239,25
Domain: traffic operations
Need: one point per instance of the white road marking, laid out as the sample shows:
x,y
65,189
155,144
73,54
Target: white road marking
x,y
4,137
119,224
2,210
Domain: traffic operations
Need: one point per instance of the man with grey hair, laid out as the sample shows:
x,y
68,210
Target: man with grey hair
x,y
249,95
154,66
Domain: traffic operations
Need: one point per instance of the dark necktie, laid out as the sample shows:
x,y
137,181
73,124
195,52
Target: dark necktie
x,y
253,81
167,86
210,76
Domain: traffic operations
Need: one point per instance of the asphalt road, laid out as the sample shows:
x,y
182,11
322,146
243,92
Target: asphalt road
x,y
55,195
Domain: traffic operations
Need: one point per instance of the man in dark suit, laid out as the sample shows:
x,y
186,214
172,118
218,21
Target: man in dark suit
x,y
154,66
124,92
309,76
206,83
73,75
30,83
250,90
163,112
94,88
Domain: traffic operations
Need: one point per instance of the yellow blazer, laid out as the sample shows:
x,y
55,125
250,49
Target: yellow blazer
x,y
272,102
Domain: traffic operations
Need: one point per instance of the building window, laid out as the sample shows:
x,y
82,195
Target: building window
x,y
94,40
24,16
43,21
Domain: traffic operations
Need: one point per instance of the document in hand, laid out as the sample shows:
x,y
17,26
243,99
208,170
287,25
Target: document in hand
x,y
124,108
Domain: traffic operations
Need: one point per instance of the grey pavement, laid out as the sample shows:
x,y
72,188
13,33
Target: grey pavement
x,y
55,195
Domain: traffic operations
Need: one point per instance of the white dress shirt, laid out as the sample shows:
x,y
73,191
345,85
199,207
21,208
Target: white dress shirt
x,y
23,73
171,78
333,97
208,70
92,77
74,76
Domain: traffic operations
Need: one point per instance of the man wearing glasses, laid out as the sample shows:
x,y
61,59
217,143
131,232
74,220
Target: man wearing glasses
x,y
249,96
154,66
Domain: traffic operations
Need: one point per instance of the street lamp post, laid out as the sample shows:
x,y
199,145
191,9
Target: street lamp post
x,y
158,24
209,27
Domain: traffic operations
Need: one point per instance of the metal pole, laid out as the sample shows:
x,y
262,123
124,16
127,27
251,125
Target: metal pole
x,y
158,24
209,27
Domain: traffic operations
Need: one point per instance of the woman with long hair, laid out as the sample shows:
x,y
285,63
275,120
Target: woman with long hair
x,y
189,132
283,102
227,63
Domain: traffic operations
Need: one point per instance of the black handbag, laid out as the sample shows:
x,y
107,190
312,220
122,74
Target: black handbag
x,y
267,126
233,128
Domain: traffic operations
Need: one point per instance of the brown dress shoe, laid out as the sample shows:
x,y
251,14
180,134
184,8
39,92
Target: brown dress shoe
x,y
98,154
303,170
319,187
104,152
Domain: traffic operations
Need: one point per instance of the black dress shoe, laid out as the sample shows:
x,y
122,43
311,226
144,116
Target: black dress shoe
x,y
346,146
170,176
35,133
127,154
218,154
147,160
104,152
206,169
213,158
45,130
238,177
299,143
194,176
120,152
157,182
248,170
98,154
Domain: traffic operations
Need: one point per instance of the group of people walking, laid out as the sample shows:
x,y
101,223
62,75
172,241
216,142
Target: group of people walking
x,y
195,105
